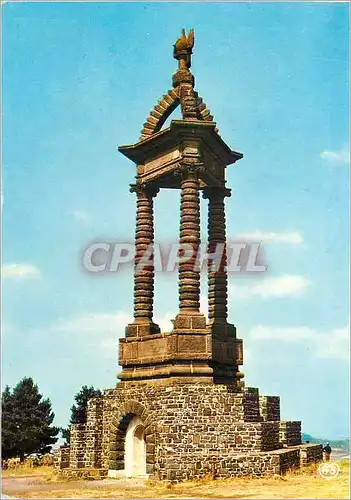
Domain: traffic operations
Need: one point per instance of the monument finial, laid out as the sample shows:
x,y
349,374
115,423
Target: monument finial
x,y
183,49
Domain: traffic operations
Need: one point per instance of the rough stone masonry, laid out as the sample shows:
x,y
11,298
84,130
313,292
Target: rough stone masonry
x,y
183,390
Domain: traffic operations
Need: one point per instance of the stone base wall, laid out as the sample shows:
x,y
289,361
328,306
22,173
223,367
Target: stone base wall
x,y
183,420
77,446
62,458
290,433
257,464
93,433
311,453
288,459
190,430
270,407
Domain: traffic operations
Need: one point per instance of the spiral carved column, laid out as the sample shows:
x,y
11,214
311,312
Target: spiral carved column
x,y
144,272
189,279
218,277
189,276
225,346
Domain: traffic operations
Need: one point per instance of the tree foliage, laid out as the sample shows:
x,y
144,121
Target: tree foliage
x,y
65,433
79,409
27,420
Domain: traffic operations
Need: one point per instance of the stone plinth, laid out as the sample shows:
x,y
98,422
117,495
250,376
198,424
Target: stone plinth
x,y
190,430
187,352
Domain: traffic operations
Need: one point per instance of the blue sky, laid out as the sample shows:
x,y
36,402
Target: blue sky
x,y
79,80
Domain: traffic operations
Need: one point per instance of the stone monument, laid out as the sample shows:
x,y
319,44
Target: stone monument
x,y
181,409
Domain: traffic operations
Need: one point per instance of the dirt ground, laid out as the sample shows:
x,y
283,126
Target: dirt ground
x,y
300,484
26,485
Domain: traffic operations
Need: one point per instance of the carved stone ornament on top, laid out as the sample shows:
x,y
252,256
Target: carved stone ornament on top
x,y
183,48
182,94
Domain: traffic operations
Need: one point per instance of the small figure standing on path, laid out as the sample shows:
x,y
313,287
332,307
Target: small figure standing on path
x,y
326,452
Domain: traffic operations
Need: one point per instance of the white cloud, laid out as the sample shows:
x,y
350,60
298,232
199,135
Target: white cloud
x,y
291,237
332,344
20,271
95,324
286,334
102,331
165,321
335,344
337,157
281,286
81,216
99,331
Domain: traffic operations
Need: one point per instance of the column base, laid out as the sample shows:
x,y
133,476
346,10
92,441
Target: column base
x,y
141,329
189,321
222,329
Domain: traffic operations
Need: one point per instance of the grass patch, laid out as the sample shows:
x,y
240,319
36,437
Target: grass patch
x,y
26,470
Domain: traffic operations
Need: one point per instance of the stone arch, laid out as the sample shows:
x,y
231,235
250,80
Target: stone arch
x,y
165,108
160,113
118,430
203,111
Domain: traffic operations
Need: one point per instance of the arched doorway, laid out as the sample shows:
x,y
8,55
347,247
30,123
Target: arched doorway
x,y
135,449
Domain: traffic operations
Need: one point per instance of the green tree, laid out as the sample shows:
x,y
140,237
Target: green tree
x,y
9,426
79,409
26,421
65,433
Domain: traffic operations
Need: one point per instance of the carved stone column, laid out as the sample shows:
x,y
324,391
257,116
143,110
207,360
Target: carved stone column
x,y
217,278
189,276
143,274
226,348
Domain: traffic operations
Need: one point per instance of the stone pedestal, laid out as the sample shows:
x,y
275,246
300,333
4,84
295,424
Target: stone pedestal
x,y
192,430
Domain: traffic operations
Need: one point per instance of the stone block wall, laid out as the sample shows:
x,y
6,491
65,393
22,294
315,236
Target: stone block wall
x,y
250,405
288,459
310,453
190,430
216,466
190,424
62,458
77,446
270,436
269,407
93,433
186,419
290,433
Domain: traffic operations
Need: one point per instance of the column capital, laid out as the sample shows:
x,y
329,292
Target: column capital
x,y
143,188
188,168
216,193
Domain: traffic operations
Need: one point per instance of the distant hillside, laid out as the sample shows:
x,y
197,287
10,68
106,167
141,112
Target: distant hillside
x,y
334,443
